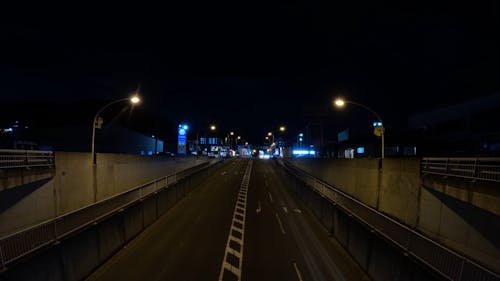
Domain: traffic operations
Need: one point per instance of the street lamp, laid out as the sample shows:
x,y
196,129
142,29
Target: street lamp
x,y
339,102
282,128
134,100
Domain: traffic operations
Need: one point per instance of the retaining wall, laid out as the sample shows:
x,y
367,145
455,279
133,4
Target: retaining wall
x,y
77,256
76,183
460,214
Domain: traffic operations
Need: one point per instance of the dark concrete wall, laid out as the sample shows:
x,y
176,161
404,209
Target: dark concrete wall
x,y
377,257
459,213
76,183
80,254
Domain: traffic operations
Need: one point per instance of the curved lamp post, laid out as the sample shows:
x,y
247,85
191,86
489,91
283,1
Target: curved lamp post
x,y
339,102
134,100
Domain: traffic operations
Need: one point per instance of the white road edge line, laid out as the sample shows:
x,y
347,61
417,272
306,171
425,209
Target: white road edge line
x,y
285,209
297,271
258,207
281,225
270,197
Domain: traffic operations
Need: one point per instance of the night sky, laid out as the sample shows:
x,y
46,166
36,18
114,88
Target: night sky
x,y
250,67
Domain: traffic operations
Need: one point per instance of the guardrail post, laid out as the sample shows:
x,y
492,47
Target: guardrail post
x,y
462,265
2,263
475,171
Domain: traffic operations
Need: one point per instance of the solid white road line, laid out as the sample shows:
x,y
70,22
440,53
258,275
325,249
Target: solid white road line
x,y
258,207
279,222
297,271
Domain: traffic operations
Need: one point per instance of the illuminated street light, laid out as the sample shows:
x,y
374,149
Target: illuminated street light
x,y
212,128
231,133
282,128
339,102
269,134
134,100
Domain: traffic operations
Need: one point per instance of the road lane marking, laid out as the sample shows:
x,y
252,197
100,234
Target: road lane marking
x,y
265,182
270,197
285,209
281,225
297,271
258,207
297,211
233,256
223,173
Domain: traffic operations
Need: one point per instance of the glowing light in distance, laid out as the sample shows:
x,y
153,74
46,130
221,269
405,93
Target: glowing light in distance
x,y
339,102
135,99
303,152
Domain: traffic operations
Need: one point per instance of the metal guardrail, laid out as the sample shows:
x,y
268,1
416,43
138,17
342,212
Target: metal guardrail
x,y
444,261
10,158
487,169
24,242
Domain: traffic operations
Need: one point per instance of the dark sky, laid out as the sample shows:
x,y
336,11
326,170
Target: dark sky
x,y
251,66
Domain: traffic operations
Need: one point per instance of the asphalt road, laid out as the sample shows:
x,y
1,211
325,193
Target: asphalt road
x,y
281,239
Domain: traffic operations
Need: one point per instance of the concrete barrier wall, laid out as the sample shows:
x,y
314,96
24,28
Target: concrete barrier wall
x,y
15,177
80,254
458,213
76,183
376,256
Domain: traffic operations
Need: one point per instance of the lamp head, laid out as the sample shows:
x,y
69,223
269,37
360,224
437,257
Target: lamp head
x,y
339,102
135,99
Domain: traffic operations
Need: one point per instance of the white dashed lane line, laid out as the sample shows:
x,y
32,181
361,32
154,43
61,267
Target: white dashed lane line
x,y
281,224
270,197
259,209
297,271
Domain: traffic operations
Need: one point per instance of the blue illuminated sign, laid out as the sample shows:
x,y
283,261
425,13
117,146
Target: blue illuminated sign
x,y
181,139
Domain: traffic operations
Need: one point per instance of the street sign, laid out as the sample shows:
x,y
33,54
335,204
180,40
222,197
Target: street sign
x,y
181,139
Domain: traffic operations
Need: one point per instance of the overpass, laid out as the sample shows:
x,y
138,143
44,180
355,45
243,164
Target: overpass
x,y
243,219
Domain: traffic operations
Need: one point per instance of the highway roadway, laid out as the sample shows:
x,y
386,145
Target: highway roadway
x,y
234,227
